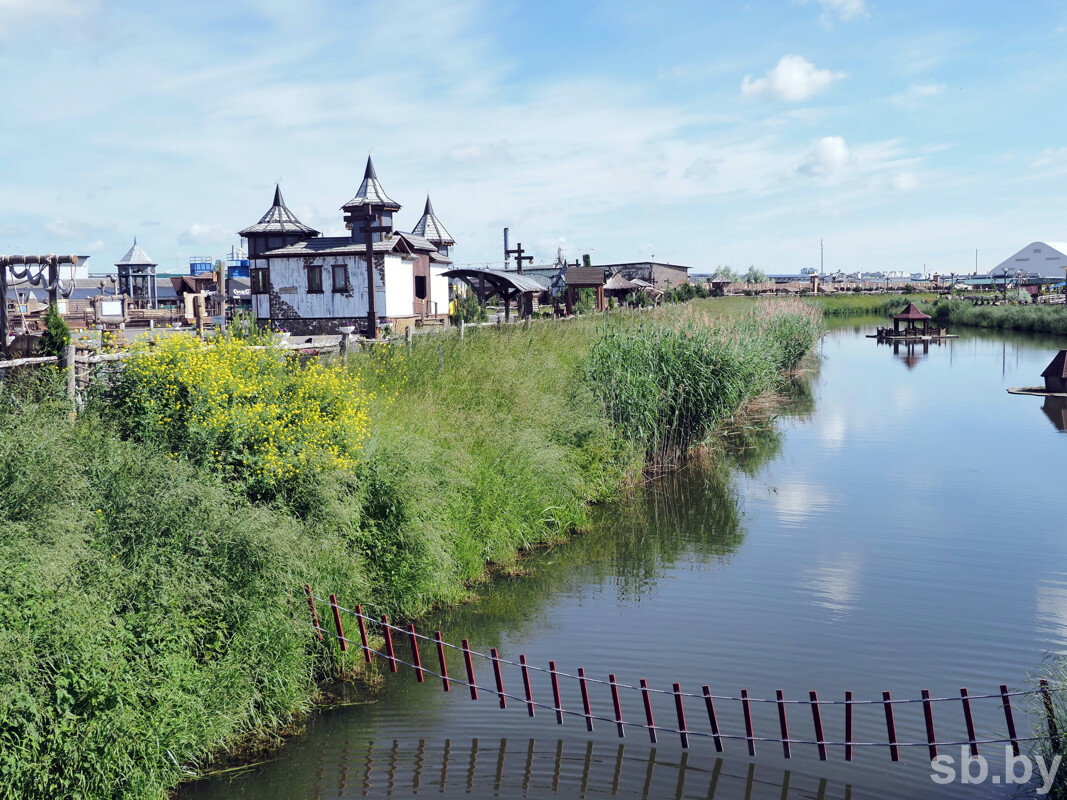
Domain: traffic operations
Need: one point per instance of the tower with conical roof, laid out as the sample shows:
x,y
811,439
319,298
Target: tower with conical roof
x,y
371,207
429,227
277,228
137,277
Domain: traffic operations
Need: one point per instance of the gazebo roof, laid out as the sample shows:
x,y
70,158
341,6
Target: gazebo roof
x,y
619,283
279,219
135,257
1057,368
718,277
911,313
496,278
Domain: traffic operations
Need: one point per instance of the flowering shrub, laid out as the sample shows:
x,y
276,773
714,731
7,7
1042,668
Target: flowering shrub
x,y
253,413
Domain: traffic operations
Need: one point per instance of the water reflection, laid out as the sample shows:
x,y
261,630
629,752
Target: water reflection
x,y
533,768
1055,409
911,353
1052,609
835,585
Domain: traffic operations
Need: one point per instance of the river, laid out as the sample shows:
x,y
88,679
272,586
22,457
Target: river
x,y
898,527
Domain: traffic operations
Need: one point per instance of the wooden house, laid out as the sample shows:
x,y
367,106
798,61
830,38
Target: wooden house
x,y
1055,373
312,284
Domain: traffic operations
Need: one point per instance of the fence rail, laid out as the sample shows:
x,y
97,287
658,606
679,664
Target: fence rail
x,y
715,731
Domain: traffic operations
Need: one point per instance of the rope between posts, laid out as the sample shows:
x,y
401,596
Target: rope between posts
x,y
694,695
661,728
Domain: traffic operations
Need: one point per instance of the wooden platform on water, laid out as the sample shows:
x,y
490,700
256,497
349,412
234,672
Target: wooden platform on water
x,y
1036,391
929,337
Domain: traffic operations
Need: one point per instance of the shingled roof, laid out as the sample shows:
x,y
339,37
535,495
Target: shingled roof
x,y
135,257
371,193
279,220
911,313
430,227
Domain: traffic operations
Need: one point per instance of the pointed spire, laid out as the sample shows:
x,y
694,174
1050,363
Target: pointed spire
x,y
135,257
371,193
430,228
279,219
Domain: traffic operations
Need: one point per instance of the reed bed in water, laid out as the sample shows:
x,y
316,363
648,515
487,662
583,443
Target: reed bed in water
x,y
666,386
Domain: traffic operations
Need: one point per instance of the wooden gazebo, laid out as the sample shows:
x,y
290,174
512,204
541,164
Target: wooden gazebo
x,y
911,316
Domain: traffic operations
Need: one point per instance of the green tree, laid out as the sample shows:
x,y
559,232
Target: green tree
x,y
587,261
56,334
755,275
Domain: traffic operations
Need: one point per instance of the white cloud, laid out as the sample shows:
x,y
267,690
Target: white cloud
x,y
844,10
210,233
826,157
15,12
793,79
916,93
95,247
65,228
904,181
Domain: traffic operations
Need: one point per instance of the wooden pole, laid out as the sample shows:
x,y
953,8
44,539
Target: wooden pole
x,y
67,363
3,310
372,310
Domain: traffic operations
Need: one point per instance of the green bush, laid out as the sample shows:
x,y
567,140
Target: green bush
x,y
56,334
467,309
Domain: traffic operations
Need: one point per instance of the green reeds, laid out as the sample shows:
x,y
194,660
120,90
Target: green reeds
x,y
667,386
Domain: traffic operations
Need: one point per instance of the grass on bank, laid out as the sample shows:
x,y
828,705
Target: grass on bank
x,y
948,312
151,601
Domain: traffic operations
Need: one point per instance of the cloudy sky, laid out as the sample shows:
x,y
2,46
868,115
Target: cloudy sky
x,y
904,134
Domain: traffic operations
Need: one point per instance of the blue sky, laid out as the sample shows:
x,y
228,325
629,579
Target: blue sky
x,y
904,134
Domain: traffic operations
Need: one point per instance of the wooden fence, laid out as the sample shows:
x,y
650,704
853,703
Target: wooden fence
x,y
721,727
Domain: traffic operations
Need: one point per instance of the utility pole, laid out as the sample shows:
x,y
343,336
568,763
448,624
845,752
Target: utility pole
x,y
822,267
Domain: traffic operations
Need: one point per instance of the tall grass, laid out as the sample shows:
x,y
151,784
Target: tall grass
x,y
859,305
667,386
150,608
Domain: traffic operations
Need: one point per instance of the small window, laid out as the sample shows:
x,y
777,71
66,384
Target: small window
x,y
315,279
420,287
340,278
260,283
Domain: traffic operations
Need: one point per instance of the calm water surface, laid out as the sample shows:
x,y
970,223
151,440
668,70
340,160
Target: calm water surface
x,y
900,529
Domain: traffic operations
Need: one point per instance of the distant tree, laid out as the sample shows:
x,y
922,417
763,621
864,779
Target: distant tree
x,y
755,275
587,261
56,334
729,273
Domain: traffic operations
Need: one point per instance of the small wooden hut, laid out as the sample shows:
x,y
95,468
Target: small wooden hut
x,y
911,316
1055,373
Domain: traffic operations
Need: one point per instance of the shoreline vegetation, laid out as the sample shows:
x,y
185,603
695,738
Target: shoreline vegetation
x,y
947,312
154,548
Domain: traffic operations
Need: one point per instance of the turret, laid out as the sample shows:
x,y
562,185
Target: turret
x,y
430,228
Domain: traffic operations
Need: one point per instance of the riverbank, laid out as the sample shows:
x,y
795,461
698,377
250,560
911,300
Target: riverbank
x,y
951,312
151,605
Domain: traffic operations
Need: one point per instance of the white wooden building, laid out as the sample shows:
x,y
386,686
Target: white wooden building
x,y
311,284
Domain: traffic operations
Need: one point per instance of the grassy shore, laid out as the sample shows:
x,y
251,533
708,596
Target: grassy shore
x,y
952,313
154,548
